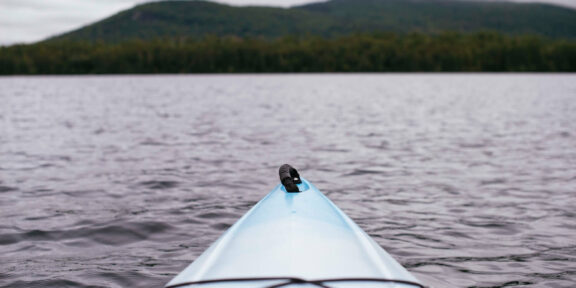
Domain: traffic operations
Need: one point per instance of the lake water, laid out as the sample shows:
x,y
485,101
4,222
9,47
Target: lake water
x,y
121,181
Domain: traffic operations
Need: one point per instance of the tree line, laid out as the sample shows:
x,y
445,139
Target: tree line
x,y
380,52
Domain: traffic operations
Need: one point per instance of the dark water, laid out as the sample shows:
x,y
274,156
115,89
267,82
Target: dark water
x,y
469,180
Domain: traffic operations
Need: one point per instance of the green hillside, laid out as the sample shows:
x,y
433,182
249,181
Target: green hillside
x,y
382,52
196,19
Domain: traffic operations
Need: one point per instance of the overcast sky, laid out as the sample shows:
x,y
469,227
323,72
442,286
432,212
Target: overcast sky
x,y
25,21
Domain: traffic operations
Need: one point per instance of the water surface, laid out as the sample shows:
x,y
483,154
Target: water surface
x,y
121,181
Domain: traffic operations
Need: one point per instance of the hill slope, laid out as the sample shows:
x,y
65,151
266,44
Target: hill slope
x,y
337,17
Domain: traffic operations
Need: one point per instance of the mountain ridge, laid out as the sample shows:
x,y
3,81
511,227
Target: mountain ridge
x,y
197,19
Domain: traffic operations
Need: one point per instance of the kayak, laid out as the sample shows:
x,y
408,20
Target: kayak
x,y
295,237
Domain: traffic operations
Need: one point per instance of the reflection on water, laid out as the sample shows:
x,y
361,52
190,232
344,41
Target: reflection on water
x,y
468,180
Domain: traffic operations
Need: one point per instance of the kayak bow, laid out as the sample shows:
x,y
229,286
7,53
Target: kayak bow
x,y
295,236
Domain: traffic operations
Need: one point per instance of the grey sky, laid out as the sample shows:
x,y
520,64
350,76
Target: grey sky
x,y
24,21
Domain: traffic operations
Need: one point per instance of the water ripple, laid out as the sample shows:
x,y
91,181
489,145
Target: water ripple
x,y
468,180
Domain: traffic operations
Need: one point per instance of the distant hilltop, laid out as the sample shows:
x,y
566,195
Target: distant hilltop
x,y
197,19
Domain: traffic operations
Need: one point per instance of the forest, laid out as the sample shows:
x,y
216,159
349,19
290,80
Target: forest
x,y
373,52
197,19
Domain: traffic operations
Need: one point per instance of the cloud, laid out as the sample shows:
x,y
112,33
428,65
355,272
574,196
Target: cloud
x,y
568,3
34,20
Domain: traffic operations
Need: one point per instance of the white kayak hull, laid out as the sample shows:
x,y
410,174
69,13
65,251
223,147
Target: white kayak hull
x,y
302,235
